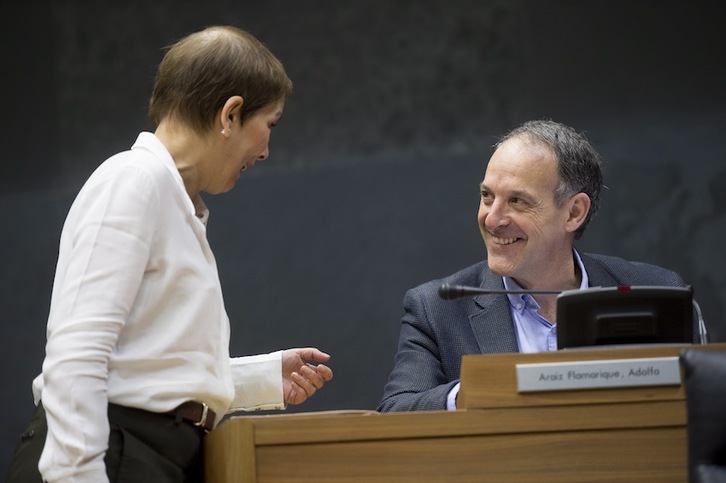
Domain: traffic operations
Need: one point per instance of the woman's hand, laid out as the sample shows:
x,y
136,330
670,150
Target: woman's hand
x,y
300,376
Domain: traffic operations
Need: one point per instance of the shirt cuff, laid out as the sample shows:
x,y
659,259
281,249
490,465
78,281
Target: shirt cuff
x,y
257,382
451,397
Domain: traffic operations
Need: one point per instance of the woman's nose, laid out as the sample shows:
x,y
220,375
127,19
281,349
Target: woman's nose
x,y
265,154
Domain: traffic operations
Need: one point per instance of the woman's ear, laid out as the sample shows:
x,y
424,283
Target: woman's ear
x,y
232,109
579,207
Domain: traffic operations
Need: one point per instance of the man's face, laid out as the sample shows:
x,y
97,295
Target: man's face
x,y
525,234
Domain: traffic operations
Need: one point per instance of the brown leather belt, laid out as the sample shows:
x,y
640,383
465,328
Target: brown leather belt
x,y
196,413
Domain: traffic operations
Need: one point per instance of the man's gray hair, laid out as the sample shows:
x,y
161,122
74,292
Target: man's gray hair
x,y
578,164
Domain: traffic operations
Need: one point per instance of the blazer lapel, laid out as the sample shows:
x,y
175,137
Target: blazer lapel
x,y
491,321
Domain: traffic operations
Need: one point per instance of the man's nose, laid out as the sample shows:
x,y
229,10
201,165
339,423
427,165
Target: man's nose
x,y
497,215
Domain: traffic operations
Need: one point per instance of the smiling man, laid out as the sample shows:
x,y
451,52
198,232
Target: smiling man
x,y
540,190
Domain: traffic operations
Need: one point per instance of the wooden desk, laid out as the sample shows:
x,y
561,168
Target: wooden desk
x,y
629,435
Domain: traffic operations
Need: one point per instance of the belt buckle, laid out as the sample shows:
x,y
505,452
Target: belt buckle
x,y
203,420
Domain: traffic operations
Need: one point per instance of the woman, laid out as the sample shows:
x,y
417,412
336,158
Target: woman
x,y
137,364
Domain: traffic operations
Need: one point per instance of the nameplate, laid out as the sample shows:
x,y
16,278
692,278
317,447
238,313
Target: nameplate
x,y
561,376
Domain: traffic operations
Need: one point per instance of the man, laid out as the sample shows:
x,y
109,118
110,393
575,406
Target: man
x,y
541,189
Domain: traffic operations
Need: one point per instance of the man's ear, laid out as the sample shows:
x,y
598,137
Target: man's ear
x,y
578,208
232,109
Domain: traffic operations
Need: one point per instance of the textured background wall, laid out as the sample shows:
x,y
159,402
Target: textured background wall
x,y
372,183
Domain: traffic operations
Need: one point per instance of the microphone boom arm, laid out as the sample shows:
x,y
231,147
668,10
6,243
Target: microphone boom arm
x,y
450,292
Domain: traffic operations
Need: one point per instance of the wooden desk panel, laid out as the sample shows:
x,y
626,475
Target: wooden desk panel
x,y
633,442
590,456
601,435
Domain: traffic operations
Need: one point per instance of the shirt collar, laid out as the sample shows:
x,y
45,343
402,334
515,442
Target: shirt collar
x,y
149,141
521,302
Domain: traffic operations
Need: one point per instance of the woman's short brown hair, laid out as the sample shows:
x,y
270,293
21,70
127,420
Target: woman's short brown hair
x,y
203,70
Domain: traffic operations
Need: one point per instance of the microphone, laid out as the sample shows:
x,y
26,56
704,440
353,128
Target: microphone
x,y
451,292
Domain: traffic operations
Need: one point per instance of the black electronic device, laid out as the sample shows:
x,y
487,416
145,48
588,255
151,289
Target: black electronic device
x,y
625,315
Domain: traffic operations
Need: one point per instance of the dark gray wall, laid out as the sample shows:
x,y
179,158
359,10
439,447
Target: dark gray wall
x,y
372,183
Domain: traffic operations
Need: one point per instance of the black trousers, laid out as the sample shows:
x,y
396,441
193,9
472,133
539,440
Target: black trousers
x,y
143,446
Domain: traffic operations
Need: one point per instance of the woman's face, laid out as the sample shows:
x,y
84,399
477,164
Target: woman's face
x,y
245,144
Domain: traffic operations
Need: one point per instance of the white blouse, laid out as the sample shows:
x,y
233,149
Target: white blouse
x,y
137,316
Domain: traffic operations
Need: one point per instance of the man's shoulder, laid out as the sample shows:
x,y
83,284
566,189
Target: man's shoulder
x,y
628,272
610,261
471,276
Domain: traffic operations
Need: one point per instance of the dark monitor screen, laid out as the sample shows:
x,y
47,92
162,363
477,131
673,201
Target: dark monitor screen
x,y
625,315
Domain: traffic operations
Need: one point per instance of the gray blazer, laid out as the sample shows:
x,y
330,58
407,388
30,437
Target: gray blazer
x,y
436,333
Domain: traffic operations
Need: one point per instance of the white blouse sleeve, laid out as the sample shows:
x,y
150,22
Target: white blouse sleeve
x,y
257,382
104,249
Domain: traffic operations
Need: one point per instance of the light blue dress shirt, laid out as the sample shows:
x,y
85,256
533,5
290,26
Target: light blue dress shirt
x,y
534,332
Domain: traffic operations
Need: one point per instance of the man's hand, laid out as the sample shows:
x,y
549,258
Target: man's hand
x,y
300,377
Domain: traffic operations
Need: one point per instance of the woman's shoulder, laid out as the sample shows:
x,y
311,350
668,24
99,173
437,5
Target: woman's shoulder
x,y
135,166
